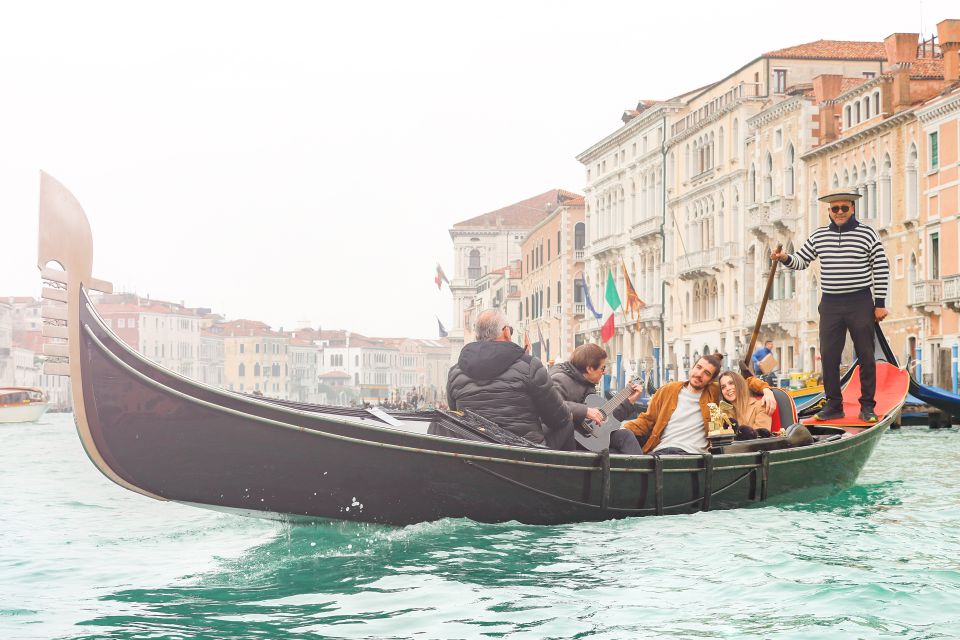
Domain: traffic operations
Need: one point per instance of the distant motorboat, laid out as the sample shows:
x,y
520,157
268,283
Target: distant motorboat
x,y
22,404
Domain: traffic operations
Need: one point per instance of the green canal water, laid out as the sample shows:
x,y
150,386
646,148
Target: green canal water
x,y
82,558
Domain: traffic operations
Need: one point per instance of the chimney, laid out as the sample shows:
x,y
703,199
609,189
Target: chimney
x,y
901,47
826,87
948,33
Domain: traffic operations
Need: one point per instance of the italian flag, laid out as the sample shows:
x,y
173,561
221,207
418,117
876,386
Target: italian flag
x,y
613,303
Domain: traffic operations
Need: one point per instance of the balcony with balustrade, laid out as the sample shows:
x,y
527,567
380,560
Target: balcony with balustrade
x,y
783,212
650,313
605,245
578,255
778,313
579,309
950,294
730,253
647,229
698,263
758,220
925,296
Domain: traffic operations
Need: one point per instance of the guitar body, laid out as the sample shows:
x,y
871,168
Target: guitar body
x,y
600,439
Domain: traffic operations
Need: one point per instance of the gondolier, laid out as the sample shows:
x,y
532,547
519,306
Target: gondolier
x,y
854,275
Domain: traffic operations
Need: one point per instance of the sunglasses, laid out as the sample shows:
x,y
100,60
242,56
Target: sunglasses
x,y
842,207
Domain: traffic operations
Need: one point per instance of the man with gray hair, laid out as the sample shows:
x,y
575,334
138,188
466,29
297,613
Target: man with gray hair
x,y
495,378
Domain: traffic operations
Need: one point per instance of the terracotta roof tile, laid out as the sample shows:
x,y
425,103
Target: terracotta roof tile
x,y
849,83
32,340
520,215
926,68
247,328
334,374
832,50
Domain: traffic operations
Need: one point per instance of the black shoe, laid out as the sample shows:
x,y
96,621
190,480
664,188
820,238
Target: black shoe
x,y
829,413
868,415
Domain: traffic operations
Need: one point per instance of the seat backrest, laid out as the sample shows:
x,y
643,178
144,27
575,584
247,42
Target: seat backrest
x,y
786,413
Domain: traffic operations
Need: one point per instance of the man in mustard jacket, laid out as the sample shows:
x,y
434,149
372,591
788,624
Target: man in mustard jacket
x,y
677,419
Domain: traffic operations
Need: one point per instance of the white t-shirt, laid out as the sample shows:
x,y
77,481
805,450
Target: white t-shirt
x,y
684,430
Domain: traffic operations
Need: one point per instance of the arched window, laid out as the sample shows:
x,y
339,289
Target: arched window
x,y
886,191
847,121
788,171
836,181
473,270
876,102
856,112
866,108
579,236
768,177
752,184
749,275
863,191
256,370
737,217
912,192
720,147
720,222
735,140
814,208
242,370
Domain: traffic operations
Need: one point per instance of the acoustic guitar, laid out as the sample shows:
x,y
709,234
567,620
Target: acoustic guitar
x,y
599,437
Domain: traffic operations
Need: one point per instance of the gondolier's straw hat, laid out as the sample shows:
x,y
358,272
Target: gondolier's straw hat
x,y
833,197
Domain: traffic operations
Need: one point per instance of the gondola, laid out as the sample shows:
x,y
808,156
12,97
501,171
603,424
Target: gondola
x,y
167,437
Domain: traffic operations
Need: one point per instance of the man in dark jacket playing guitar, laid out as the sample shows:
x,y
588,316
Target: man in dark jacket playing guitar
x,y
577,378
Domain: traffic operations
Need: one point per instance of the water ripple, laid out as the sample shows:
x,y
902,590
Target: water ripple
x,y
80,558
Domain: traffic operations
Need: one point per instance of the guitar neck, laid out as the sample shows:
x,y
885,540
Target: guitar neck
x,y
616,400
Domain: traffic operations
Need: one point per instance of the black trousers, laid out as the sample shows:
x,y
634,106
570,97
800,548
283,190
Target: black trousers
x,y
839,314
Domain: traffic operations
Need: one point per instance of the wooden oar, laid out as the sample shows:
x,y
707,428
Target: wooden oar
x,y
745,363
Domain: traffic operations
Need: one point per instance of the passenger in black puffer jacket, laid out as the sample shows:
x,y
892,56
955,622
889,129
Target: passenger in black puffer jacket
x,y
578,378
495,378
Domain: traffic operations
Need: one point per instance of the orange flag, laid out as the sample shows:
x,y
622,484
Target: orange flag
x,y
634,303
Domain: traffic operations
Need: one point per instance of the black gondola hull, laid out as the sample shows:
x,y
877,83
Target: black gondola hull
x,y
183,441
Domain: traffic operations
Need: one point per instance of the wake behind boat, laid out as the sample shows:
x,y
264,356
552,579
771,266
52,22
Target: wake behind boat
x,y
171,438
22,404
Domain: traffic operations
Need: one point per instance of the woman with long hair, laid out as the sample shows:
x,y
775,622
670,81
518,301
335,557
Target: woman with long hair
x,y
743,407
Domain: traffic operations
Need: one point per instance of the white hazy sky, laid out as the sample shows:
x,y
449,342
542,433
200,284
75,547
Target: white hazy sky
x,y
288,161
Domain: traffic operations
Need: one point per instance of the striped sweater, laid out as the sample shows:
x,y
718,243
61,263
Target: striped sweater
x,y
851,259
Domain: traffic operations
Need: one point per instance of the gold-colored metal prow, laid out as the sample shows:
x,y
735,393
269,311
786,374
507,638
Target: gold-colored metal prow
x,y
65,239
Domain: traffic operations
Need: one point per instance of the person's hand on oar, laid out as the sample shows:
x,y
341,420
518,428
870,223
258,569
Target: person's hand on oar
x,y
779,254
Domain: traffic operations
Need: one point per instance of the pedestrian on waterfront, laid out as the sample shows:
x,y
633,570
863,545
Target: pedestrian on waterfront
x,y
677,418
496,378
759,355
578,378
854,275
